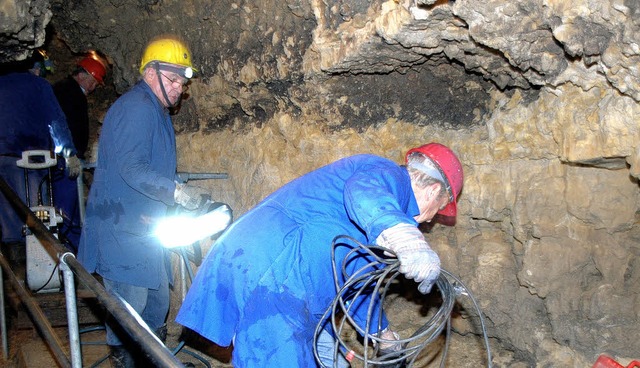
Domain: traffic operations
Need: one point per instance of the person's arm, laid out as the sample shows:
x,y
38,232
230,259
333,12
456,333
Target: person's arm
x,y
56,122
134,127
375,199
380,197
379,201
59,131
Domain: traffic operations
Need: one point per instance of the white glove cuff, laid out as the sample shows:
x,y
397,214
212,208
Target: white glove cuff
x,y
402,237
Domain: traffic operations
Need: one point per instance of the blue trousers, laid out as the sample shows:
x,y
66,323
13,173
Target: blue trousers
x,y
65,198
152,305
326,344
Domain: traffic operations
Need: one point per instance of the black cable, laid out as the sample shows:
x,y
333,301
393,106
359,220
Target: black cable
x,y
463,290
53,272
180,349
378,269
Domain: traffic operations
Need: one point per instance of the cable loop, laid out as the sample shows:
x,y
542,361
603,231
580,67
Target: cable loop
x,y
369,270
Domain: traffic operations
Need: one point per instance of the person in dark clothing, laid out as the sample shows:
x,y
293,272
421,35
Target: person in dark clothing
x,y
71,93
30,119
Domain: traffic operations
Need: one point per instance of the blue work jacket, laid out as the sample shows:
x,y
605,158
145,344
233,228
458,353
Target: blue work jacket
x,y
268,279
30,116
30,119
132,189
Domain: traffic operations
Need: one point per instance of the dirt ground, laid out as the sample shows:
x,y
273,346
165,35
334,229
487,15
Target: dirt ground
x,y
28,350
408,313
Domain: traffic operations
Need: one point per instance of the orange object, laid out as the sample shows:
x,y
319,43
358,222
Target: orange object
x,y
94,67
605,361
350,356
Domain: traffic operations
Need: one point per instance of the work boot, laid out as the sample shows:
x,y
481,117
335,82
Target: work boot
x,y
120,357
161,332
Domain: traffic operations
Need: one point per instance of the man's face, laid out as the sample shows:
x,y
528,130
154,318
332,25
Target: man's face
x,y
173,84
88,82
430,201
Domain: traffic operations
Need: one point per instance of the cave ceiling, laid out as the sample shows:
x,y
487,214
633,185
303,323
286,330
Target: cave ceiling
x,y
274,55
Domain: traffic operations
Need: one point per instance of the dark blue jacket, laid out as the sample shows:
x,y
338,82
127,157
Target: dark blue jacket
x,y
30,117
132,189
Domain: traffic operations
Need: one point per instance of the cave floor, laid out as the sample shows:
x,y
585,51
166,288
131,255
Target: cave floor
x,y
28,350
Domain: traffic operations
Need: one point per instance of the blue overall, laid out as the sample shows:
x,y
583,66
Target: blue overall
x,y
267,280
30,119
132,188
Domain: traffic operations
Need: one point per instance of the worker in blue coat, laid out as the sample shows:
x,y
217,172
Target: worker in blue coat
x,y
267,280
134,184
30,119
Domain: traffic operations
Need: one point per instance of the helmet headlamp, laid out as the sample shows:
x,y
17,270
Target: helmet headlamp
x,y
186,72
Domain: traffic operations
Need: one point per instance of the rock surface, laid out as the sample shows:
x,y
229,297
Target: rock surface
x,y
539,98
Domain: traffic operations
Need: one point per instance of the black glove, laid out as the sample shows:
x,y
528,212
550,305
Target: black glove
x,y
190,197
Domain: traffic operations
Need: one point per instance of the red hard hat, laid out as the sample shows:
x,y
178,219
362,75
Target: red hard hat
x,y
450,166
93,67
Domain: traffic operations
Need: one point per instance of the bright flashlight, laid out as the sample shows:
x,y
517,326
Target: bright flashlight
x,y
179,231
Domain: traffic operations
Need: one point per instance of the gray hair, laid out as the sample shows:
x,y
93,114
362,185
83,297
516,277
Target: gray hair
x,y
423,172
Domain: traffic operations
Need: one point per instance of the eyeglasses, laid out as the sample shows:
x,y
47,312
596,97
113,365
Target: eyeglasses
x,y
176,81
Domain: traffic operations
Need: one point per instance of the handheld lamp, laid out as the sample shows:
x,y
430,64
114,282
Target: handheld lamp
x,y
178,231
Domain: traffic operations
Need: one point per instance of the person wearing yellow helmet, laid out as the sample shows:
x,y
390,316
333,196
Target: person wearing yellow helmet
x,y
135,183
167,59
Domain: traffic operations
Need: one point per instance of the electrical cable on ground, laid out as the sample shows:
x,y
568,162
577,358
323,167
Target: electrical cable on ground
x,y
368,271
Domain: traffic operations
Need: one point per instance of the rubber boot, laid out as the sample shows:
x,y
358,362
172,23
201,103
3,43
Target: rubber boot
x,y
120,357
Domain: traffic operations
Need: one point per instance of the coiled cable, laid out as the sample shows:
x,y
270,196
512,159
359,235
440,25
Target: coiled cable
x,y
360,282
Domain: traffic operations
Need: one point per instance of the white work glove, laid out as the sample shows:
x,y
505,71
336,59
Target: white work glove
x,y
190,197
74,166
417,260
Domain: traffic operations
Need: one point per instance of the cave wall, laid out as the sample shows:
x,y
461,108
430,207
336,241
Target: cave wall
x,y
539,98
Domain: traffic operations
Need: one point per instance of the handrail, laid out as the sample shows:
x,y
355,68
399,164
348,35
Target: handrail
x,y
38,316
138,331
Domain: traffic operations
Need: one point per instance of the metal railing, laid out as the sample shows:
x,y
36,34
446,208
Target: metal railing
x,y
139,333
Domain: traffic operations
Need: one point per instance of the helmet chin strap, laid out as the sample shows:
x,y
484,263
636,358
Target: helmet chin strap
x,y
156,66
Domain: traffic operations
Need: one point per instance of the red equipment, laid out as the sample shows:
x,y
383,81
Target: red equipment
x,y
605,361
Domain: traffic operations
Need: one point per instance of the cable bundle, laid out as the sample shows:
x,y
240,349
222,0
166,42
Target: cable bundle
x,y
375,273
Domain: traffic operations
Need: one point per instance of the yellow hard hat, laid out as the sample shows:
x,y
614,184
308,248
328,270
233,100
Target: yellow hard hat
x,y
168,50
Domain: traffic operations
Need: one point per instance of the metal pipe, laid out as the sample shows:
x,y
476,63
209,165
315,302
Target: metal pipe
x,y
80,189
72,314
37,316
139,333
3,322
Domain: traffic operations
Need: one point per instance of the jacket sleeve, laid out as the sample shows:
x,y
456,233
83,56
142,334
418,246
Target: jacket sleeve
x,y
376,199
58,128
379,198
136,126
